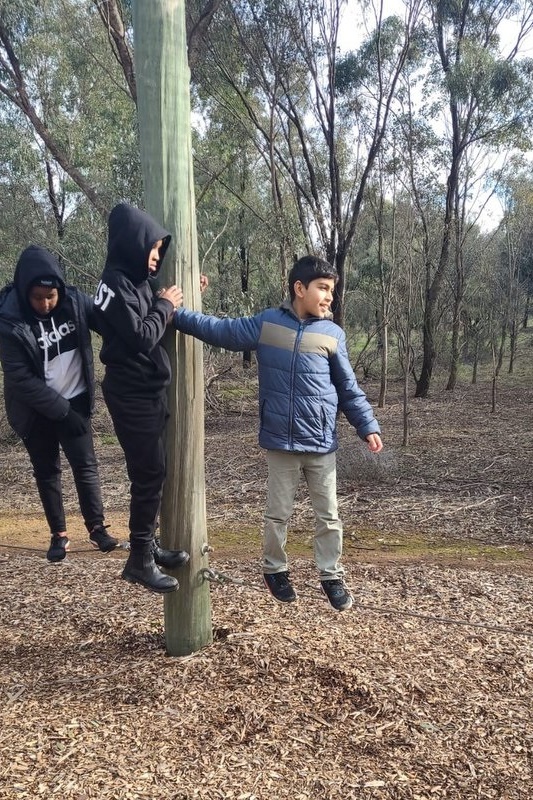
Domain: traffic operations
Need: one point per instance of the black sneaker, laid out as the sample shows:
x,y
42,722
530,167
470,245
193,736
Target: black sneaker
x,y
279,586
58,548
337,594
102,540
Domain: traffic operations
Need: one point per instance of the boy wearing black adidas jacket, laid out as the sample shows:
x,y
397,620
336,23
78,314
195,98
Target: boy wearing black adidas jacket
x,y
46,355
132,320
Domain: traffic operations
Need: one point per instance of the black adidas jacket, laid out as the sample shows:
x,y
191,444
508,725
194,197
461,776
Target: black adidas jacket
x,y
132,319
25,391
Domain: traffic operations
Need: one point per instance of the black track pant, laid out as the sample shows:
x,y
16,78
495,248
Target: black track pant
x,y
140,424
43,444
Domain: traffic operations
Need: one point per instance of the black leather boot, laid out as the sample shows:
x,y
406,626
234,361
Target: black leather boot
x,y
141,568
169,559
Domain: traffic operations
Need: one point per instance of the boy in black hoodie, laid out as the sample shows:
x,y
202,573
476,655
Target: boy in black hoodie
x,y
46,355
132,321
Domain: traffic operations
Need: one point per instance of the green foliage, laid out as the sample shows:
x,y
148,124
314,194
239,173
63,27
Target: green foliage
x,y
279,157
73,84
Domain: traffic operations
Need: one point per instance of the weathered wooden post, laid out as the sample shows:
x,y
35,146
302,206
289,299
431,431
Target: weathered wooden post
x,y
163,102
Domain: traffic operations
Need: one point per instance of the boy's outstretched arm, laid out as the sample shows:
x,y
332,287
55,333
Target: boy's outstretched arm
x,y
237,334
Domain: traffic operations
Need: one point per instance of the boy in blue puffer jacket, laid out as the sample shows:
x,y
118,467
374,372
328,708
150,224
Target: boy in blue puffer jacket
x,y
304,376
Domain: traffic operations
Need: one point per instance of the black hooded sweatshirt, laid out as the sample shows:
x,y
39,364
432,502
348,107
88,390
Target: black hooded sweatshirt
x,y
38,352
132,319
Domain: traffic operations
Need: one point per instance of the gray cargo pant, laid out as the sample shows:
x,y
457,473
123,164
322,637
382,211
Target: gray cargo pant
x,y
284,471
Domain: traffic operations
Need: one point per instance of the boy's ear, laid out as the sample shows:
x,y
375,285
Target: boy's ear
x,y
299,289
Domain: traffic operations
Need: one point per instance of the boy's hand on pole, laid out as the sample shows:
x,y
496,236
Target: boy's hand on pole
x,y
374,443
173,295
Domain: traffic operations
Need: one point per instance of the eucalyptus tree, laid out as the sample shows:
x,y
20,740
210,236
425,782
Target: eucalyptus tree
x,y
47,65
369,80
487,90
403,311
480,315
69,81
116,18
237,229
62,91
383,204
306,125
467,251
22,178
517,197
517,257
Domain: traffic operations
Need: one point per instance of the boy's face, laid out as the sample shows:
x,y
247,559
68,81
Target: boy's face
x,y
43,299
153,258
314,300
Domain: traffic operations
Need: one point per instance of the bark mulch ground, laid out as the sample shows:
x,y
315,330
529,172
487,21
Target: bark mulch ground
x,y
390,700
422,691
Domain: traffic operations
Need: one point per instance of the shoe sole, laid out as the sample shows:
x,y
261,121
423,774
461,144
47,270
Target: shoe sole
x,y
101,549
148,586
346,607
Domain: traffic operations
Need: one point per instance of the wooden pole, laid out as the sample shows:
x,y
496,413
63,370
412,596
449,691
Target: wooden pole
x,y
163,103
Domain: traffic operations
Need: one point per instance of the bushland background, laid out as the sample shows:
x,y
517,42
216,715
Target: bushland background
x,y
394,140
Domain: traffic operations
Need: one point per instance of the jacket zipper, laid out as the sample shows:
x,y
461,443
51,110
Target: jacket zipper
x,y
291,385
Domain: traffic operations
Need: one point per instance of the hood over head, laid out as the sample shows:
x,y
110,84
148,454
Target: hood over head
x,y
37,267
132,234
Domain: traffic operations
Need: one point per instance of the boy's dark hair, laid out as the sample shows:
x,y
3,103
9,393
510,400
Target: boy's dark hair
x,y
309,268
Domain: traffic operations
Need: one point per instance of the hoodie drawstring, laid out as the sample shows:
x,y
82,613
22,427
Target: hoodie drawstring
x,y
45,346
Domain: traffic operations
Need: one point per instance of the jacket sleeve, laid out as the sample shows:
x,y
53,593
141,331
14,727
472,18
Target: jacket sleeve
x,y
87,308
123,313
352,400
24,386
237,334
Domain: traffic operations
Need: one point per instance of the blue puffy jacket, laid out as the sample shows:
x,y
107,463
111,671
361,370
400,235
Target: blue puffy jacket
x,y
304,375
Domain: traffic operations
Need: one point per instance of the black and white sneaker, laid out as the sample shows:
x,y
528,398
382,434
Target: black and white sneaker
x,y
102,540
58,548
337,594
279,586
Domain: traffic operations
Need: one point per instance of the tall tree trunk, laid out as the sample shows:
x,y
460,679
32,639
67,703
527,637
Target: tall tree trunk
x,y
501,347
384,365
435,284
162,75
512,345
476,359
244,255
405,408
383,331
245,274
456,320
460,280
